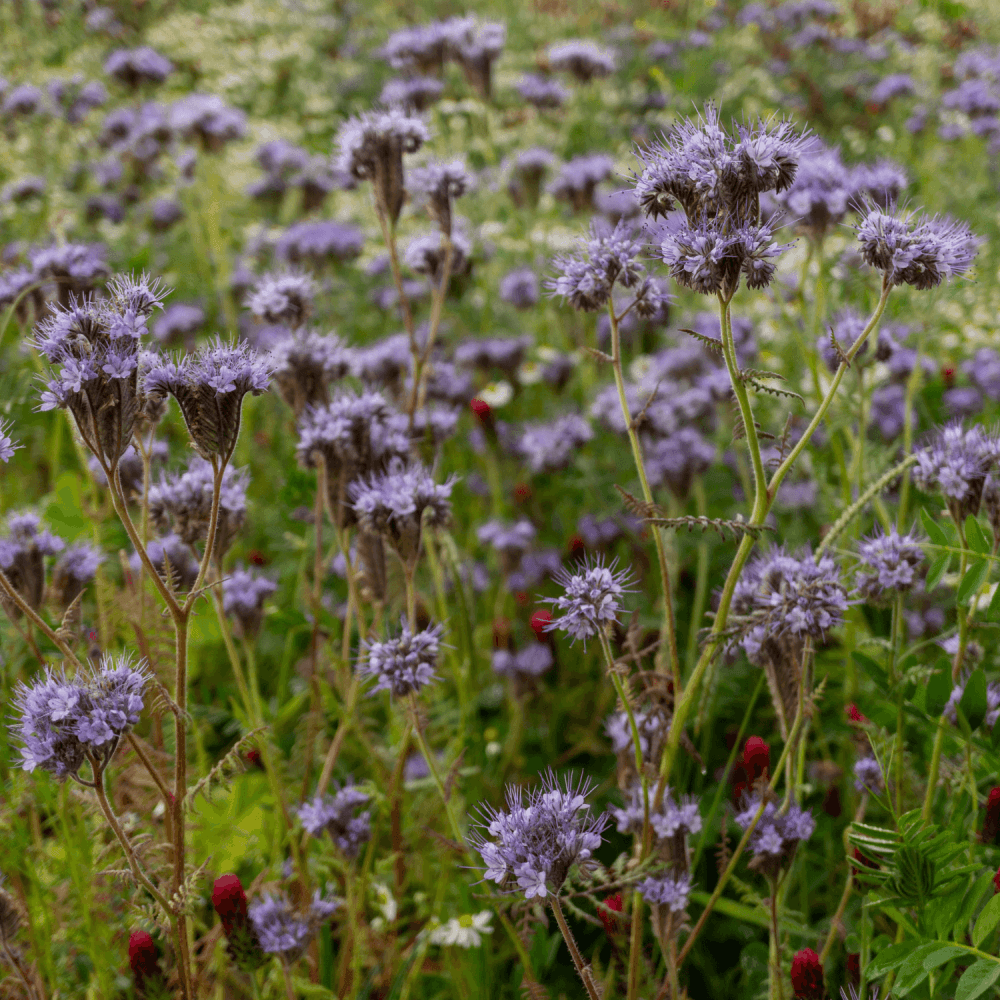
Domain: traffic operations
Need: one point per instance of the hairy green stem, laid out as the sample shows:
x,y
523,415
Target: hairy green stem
x,y
582,969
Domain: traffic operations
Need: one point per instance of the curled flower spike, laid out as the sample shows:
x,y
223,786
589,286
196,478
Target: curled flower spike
x,y
916,250
285,298
667,890
335,815
209,388
592,598
440,184
405,664
538,839
285,933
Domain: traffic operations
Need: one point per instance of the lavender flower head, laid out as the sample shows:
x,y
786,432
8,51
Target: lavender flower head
x,y
305,363
578,179
133,67
888,564
821,192
538,839
284,298
439,184
7,444
94,350
592,598
671,891
881,182
956,464
61,722
519,288
209,388
405,664
22,558
75,569
525,665
243,594
336,815
916,250
777,835
397,504
372,147
868,775
551,447
673,818
542,92
586,60
284,933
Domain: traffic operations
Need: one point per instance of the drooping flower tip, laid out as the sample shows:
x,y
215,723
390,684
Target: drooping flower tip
x,y
807,976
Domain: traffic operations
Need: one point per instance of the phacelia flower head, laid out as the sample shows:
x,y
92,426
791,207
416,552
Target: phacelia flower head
x,y
551,447
209,388
578,178
672,819
524,666
182,503
133,67
61,722
584,59
868,775
75,568
22,558
880,183
284,298
777,835
653,725
440,183
283,932
956,464
888,564
336,815
671,891
411,95
821,192
404,664
243,594
592,598
519,288
372,147
305,363
395,505
7,444
538,838
807,975
542,92
93,347
915,250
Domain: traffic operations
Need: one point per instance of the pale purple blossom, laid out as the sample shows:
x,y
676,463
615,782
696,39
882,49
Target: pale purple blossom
x,y
592,598
404,664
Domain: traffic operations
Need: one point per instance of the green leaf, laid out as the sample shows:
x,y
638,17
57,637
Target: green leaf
x,y
944,954
977,979
872,669
975,577
993,611
938,690
891,958
912,972
975,538
934,530
938,569
973,704
987,921
979,888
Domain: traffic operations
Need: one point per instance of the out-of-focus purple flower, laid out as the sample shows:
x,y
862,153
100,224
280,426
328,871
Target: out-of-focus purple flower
x,y
305,364
584,59
170,551
319,243
284,933
963,401
439,183
178,324
133,67
504,353
888,408
404,664
578,178
653,728
536,841
526,664
336,815
667,890
868,775
956,464
23,190
426,254
674,461
984,371
672,818
243,594
22,101
892,86
164,212
22,558
75,568
542,91
551,447
208,118
519,288
592,598
880,183
973,97
284,298
916,250
412,95
7,444
888,563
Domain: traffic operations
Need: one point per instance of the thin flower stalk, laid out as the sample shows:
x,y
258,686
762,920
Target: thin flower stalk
x,y
419,392
647,494
583,971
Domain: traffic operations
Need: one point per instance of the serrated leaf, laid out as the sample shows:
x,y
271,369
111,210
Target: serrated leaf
x,y
944,954
938,690
937,570
934,530
891,958
987,922
973,704
975,538
872,669
975,577
977,979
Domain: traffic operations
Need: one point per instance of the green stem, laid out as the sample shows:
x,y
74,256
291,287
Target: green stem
x,y
581,967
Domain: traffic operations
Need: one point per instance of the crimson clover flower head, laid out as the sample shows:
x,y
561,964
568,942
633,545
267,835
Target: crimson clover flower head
x,y
887,564
671,891
403,664
61,721
7,444
284,297
915,250
209,388
283,932
396,504
371,147
182,503
807,975
592,598
584,59
538,838
955,464
336,815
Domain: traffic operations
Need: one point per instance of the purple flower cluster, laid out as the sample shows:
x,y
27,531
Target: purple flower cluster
x,y
887,564
209,119
578,179
76,567
673,818
305,363
868,775
955,463
22,557
439,184
285,933
674,461
777,835
821,192
523,665
519,288
536,841
336,815
916,250
414,94
64,722
653,728
552,446
243,593
285,298
404,664
133,67
541,91
426,254
319,243
7,444
584,59
592,598
671,891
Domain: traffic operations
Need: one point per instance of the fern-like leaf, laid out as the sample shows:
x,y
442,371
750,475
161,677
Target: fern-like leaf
x,y
229,766
718,524
771,390
710,342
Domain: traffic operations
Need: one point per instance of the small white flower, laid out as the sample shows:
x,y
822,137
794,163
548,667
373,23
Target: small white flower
x,y
497,394
464,931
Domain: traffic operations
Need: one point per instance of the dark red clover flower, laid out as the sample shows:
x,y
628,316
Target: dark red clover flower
x,y
144,961
807,975
991,825
756,757
230,902
612,925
